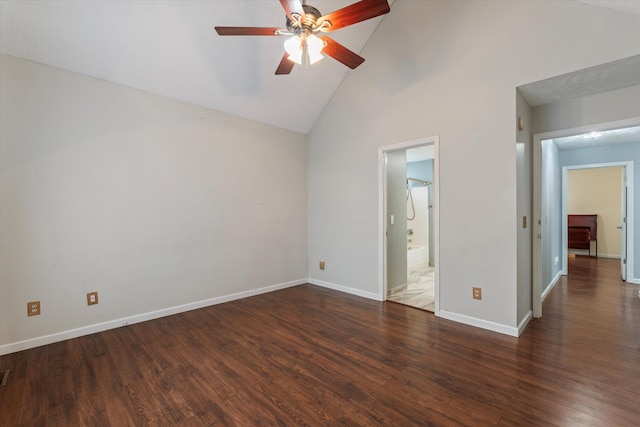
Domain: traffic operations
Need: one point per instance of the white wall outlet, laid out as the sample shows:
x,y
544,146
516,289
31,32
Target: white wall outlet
x,y
556,260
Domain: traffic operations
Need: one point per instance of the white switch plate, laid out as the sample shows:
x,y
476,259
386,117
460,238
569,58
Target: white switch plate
x,y
393,219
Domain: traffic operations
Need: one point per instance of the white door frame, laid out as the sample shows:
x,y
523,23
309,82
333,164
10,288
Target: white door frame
x,y
624,225
382,213
628,231
537,198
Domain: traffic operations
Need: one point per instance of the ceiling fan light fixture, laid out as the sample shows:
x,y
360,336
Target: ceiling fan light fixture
x,y
314,47
303,22
303,48
293,46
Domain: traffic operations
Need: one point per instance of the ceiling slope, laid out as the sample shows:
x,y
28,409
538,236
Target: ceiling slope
x,y
170,48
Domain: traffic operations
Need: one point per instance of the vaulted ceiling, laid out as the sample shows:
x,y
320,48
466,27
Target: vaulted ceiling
x,y
170,48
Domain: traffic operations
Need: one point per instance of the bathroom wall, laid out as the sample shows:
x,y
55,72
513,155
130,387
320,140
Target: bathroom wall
x,y
419,212
423,169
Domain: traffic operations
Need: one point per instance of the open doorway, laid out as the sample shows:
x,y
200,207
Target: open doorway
x,y
408,174
555,153
599,191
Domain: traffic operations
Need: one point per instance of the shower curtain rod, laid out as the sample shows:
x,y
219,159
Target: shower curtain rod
x,y
421,181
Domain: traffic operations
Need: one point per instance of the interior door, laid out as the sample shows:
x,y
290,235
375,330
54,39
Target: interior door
x,y
623,228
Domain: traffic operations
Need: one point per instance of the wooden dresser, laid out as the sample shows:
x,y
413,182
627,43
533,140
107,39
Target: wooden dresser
x,y
583,229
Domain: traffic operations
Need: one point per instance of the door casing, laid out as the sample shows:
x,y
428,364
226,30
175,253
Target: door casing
x,y
536,253
382,213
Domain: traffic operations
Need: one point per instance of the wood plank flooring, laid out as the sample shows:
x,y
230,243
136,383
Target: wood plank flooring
x,y
312,356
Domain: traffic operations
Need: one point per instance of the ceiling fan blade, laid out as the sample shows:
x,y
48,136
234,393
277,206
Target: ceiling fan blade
x,y
293,6
357,12
249,31
285,66
341,53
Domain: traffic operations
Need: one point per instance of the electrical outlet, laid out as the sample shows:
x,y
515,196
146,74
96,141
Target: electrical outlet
x,y
92,298
321,265
33,308
477,293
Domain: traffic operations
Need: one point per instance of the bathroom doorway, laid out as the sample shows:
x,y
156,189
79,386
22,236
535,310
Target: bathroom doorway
x,y
409,224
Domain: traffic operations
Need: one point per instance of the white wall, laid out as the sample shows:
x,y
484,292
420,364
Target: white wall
x,y
151,202
581,111
448,69
551,215
524,206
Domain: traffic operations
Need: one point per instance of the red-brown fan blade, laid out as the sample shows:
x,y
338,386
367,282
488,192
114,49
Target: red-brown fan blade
x,y
248,31
285,66
341,53
293,6
357,12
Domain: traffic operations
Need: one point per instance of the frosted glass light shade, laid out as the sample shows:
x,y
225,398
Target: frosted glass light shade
x,y
314,47
295,47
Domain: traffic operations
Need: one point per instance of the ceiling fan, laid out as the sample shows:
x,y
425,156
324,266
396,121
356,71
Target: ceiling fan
x,y
304,22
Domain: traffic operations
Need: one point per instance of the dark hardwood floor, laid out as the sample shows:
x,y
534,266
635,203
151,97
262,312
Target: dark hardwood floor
x,y
312,356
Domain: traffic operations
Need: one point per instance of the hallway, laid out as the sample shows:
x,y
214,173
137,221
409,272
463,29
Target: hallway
x,y
593,297
587,344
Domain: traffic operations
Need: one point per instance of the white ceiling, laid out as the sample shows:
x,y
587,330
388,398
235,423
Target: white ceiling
x,y
589,81
629,6
170,48
593,139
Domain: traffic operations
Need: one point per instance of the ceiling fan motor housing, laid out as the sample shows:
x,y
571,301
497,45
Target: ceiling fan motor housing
x,y
310,19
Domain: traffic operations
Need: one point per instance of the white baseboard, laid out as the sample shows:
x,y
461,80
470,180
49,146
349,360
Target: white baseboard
x,y
551,285
479,323
593,254
117,323
460,318
523,324
396,290
346,289
609,256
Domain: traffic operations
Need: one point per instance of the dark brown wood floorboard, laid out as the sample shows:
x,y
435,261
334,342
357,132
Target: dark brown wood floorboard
x,y
312,356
